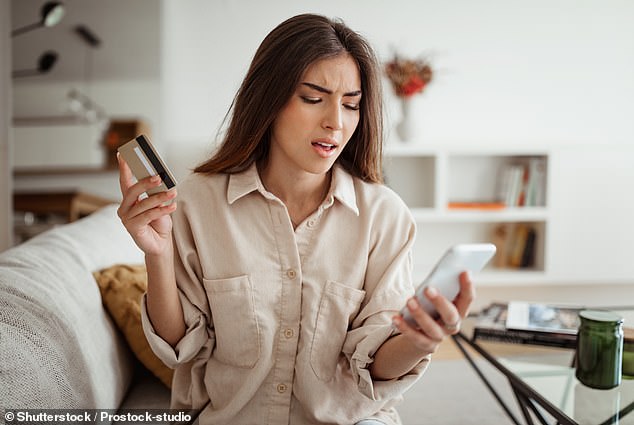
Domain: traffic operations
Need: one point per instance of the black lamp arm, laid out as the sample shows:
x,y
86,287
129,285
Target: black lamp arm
x,y
26,28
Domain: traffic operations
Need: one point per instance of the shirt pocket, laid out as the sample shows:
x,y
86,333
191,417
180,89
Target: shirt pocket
x,y
236,327
338,306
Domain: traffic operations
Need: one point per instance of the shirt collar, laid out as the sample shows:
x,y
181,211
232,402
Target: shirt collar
x,y
341,187
243,183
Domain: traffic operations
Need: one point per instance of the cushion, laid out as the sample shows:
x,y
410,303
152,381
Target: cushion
x,y
122,287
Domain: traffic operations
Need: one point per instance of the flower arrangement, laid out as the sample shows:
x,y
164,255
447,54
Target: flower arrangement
x,y
408,76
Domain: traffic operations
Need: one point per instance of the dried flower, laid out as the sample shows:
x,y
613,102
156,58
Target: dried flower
x,y
408,76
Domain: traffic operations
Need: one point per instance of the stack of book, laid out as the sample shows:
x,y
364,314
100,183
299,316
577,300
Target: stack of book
x,y
516,244
529,323
523,184
522,322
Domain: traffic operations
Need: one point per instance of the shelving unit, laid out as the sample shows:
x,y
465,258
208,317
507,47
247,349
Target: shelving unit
x,y
429,179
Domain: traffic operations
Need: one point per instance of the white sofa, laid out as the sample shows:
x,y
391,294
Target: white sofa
x,y
59,348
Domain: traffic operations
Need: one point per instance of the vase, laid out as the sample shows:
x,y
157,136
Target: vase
x,y
408,128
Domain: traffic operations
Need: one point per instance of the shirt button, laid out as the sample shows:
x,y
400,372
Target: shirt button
x,y
288,333
281,388
312,222
291,273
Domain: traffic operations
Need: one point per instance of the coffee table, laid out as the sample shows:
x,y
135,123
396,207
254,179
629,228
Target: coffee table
x,y
543,383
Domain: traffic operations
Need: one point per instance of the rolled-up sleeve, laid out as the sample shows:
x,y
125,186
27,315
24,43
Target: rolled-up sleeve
x,y
362,358
388,284
362,343
196,335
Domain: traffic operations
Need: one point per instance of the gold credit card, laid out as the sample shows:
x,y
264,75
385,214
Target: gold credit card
x,y
144,161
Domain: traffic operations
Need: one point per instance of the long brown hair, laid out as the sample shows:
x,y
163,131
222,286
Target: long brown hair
x,y
273,76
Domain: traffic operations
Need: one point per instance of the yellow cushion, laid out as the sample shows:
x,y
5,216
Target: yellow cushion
x,y
122,287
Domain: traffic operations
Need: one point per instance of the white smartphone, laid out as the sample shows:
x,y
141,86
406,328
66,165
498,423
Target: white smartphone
x,y
445,276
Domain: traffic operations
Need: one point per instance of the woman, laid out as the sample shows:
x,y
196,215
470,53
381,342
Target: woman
x,y
274,288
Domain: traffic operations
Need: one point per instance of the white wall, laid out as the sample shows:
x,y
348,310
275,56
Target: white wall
x,y
6,176
507,72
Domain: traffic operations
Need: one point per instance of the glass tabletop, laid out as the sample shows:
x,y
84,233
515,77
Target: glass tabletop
x,y
557,384
548,373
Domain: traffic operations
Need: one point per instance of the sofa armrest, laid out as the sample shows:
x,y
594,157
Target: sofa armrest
x,y
58,346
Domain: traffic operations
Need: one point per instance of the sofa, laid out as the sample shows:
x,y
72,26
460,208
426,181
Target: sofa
x,y
62,344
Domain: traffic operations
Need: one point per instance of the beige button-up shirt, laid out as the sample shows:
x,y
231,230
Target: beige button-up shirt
x,y
282,323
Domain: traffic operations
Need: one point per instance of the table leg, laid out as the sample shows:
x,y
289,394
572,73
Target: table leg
x,y
527,403
516,384
485,381
521,402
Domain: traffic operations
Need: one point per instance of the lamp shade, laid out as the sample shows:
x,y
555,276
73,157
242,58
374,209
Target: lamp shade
x,y
45,63
52,13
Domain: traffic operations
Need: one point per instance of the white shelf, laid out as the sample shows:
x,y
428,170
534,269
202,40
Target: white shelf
x,y
480,216
428,179
398,148
580,227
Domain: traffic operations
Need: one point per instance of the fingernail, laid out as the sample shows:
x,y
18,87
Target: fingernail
x,y
412,303
432,292
155,179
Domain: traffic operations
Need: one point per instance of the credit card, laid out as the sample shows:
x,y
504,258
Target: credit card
x,y
144,161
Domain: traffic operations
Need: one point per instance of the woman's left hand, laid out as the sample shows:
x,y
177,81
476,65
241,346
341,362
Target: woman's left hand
x,y
431,332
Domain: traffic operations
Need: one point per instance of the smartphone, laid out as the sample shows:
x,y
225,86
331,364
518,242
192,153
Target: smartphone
x,y
144,161
445,276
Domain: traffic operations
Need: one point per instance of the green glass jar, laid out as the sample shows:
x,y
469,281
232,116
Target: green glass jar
x,y
599,349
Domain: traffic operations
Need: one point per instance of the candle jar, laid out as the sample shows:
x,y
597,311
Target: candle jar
x,y
599,349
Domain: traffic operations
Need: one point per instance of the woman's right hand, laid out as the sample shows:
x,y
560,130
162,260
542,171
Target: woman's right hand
x,y
147,220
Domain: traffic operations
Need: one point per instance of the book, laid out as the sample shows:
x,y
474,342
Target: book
x,y
521,322
528,256
522,195
514,179
523,183
491,325
516,243
476,205
542,317
536,186
499,237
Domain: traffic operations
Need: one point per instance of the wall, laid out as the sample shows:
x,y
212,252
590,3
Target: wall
x,y
6,177
507,72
